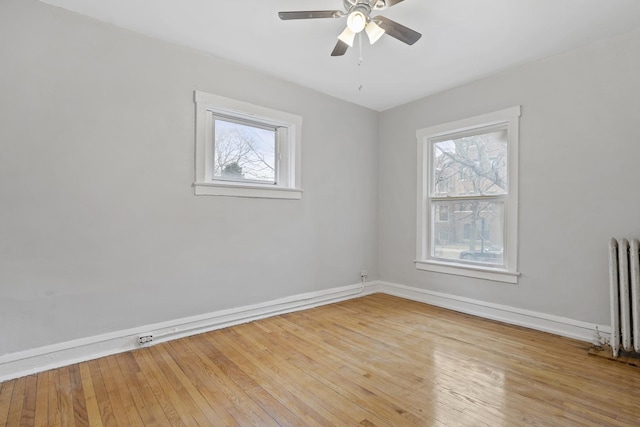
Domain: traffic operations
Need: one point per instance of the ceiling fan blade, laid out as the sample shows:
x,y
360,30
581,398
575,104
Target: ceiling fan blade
x,y
392,2
395,30
340,49
310,14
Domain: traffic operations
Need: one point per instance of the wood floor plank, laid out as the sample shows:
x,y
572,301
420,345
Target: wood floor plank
x,y
277,386
298,365
142,397
350,367
91,403
205,379
470,396
102,397
198,388
78,398
6,392
373,361
171,404
183,386
65,398
257,391
113,394
42,400
29,404
17,400
120,387
244,407
334,393
54,418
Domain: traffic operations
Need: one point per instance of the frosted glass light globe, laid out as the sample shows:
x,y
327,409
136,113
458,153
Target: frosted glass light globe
x,y
356,21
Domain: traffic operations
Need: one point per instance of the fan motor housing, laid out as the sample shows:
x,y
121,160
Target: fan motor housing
x,y
370,4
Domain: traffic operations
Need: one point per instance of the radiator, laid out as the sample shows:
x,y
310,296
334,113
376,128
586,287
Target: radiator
x,y
624,281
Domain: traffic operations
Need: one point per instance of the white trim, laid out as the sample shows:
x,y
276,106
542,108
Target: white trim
x,y
235,190
478,272
558,325
15,365
463,125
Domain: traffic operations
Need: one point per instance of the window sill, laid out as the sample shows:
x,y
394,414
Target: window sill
x,y
242,190
478,272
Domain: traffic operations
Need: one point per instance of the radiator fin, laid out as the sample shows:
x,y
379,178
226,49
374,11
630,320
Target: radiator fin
x,y
614,291
634,256
624,287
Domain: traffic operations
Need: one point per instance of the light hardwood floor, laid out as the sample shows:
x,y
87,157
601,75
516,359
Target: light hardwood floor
x,y
372,361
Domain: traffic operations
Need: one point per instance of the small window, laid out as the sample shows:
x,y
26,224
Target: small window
x,y
245,150
468,178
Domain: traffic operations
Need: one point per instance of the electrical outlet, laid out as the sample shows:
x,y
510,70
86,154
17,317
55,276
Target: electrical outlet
x,y
145,339
364,274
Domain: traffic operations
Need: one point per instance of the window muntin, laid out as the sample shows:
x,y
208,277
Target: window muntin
x,y
468,169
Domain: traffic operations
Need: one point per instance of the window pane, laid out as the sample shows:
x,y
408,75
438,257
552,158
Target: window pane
x,y
472,165
473,232
244,153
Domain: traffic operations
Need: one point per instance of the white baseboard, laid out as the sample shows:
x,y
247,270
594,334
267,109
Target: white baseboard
x,y
563,326
15,365
19,364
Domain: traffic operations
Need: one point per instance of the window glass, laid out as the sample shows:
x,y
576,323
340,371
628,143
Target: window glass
x,y
243,152
443,213
471,165
474,232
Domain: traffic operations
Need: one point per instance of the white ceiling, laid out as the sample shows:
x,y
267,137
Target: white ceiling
x,y
462,40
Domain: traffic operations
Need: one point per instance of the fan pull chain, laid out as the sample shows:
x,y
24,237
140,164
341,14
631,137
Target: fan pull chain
x,y
360,59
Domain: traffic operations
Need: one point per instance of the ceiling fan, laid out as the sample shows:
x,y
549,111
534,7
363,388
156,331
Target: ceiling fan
x,y
358,13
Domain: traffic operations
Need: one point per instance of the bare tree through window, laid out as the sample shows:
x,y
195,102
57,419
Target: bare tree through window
x,y
244,152
465,171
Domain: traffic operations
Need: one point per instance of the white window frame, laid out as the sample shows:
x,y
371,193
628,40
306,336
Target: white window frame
x,y
288,129
426,137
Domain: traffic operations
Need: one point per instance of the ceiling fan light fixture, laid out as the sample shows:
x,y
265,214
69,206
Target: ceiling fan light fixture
x,y
374,31
356,21
358,17
347,37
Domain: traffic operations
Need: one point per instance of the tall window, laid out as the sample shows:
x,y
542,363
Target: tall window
x,y
468,169
246,150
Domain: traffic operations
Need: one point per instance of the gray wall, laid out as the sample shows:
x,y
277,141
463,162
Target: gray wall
x,y
100,230
99,227
579,162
